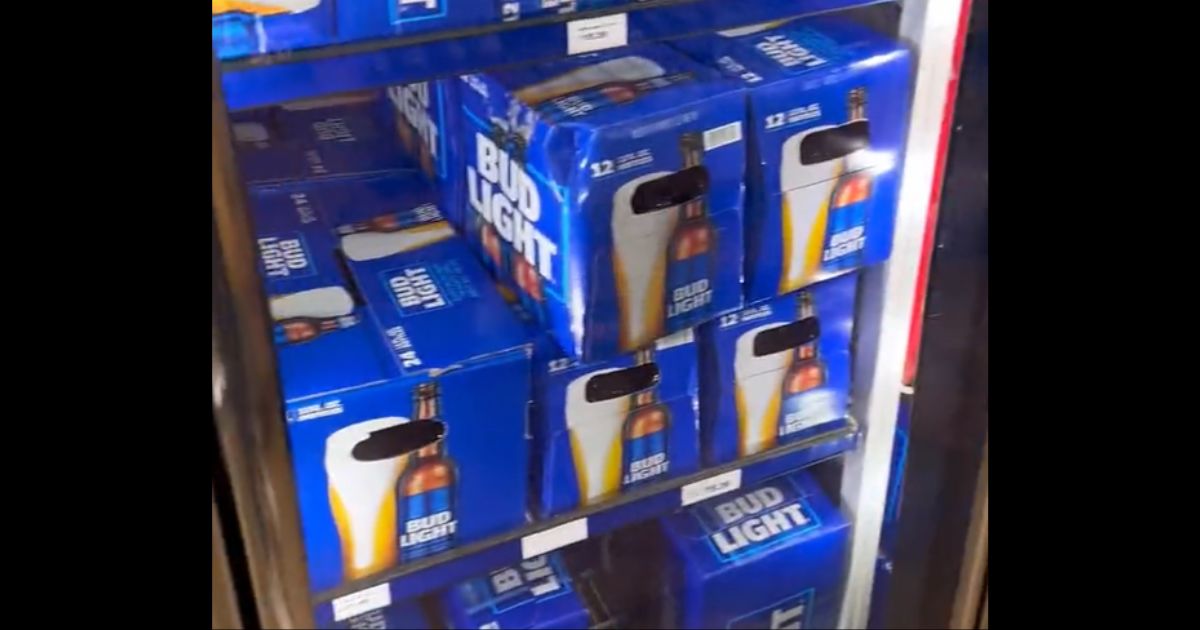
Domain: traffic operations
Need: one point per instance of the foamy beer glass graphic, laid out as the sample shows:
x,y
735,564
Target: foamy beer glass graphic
x,y
632,68
381,237
362,495
253,7
319,303
758,383
595,416
810,166
643,220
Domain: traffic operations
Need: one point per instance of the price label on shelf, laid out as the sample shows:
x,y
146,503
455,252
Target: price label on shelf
x,y
717,484
366,600
592,34
554,538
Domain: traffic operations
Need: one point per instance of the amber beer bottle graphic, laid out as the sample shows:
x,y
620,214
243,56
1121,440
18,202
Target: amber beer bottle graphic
x,y
846,232
690,263
806,374
302,329
426,490
645,432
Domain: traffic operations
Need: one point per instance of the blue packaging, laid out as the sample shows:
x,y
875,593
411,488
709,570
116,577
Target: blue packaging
x,y
607,427
770,556
367,19
426,116
247,27
407,422
829,104
327,139
537,594
608,188
777,372
403,615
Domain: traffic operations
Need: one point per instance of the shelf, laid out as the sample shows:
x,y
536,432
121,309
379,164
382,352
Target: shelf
x,y
275,78
653,501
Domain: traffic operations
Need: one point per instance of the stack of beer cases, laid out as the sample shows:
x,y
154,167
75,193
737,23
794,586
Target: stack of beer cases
x,y
605,195
404,376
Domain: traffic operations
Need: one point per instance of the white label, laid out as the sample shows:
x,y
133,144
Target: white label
x,y
680,338
711,487
723,135
366,600
598,33
554,538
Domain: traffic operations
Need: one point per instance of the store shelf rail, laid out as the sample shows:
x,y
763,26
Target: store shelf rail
x,y
443,570
280,77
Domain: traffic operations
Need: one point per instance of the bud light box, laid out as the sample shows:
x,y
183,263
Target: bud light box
x,y
369,19
247,27
426,119
608,427
406,389
537,594
776,372
828,102
769,556
608,188
331,138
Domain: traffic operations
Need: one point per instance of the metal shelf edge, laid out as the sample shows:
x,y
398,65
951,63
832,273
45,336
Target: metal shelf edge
x,y
651,502
256,82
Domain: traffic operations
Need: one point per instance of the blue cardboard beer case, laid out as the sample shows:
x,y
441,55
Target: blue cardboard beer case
x,y
607,187
604,427
426,116
537,594
828,102
325,139
776,372
368,19
406,387
769,556
246,27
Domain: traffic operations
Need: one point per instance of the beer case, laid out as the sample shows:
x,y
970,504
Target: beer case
x,y
590,427
432,340
248,27
769,556
770,377
368,19
828,101
607,187
401,615
537,594
340,137
426,116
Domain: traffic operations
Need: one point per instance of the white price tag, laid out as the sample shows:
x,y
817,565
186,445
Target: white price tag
x,y
366,600
594,34
711,487
554,538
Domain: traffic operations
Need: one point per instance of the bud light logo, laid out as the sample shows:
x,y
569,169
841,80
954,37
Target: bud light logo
x,y
756,520
783,50
415,290
285,256
504,195
413,103
533,580
793,613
